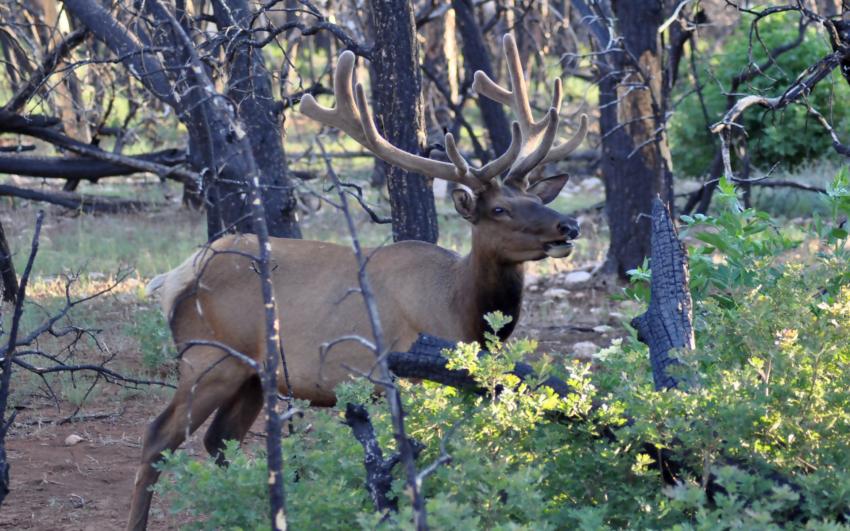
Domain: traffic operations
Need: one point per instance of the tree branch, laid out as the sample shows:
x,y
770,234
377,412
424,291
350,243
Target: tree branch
x,y
74,201
87,169
51,60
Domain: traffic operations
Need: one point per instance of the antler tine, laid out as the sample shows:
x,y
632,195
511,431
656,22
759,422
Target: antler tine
x,y
537,137
344,116
498,166
353,116
527,163
561,151
518,86
517,97
454,155
457,171
482,84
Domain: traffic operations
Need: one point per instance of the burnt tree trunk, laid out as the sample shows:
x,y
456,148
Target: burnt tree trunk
x,y
220,147
379,478
396,90
250,88
635,157
667,323
7,270
477,57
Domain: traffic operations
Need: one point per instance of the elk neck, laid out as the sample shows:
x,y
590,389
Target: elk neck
x,y
488,283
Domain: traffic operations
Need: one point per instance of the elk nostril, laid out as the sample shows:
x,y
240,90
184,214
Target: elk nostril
x,y
568,228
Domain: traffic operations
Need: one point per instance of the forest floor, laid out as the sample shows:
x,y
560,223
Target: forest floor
x,y
85,481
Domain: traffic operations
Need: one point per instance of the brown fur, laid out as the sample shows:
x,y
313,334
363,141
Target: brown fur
x,y
215,295
419,287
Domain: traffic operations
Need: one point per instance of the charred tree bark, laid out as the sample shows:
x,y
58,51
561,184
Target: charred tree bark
x,y
397,92
219,147
84,168
8,352
667,323
7,270
379,479
74,201
477,57
250,88
424,360
635,157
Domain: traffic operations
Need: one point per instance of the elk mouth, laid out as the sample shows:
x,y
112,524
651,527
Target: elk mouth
x,y
558,248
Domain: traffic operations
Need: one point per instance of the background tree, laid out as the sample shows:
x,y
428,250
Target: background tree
x,y
395,72
634,87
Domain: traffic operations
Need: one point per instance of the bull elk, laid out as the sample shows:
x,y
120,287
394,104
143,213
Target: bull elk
x,y
214,296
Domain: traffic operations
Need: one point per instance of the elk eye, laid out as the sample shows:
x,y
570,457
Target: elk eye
x,y
498,211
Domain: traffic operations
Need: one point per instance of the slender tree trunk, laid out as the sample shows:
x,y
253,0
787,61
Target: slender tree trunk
x,y
250,88
635,157
7,270
397,91
440,57
477,57
66,94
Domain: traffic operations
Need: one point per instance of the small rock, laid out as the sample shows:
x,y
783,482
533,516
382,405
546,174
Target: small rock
x,y
73,439
556,293
602,329
585,349
440,188
576,277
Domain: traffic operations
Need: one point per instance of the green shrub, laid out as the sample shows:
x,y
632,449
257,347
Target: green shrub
x,y
789,136
150,330
770,399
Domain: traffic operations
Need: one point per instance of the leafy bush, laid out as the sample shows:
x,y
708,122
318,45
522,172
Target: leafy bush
x,y
789,136
767,416
150,330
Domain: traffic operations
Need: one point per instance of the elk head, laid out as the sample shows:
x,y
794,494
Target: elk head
x,y
506,206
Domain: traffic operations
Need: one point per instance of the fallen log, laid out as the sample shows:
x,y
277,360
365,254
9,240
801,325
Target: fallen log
x,y
78,168
84,203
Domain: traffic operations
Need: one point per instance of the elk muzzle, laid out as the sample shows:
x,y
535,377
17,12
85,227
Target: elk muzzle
x,y
568,228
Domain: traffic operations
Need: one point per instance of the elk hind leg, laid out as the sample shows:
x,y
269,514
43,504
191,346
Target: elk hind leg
x,y
234,418
193,402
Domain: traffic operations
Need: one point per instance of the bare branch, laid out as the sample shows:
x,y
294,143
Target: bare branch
x,y
85,203
51,60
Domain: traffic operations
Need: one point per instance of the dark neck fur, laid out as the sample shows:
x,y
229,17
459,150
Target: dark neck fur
x,y
491,285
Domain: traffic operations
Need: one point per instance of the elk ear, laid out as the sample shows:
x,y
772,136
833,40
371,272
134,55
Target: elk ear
x,y
548,188
464,204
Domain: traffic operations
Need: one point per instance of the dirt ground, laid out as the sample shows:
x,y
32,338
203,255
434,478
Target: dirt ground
x,y
87,485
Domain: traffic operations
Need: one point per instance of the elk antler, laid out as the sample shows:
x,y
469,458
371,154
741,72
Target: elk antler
x,y
537,136
353,116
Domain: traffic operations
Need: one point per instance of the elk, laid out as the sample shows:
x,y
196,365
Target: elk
x,y
214,296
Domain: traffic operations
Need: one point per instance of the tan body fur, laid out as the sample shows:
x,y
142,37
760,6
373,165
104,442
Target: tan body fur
x,y
317,305
214,296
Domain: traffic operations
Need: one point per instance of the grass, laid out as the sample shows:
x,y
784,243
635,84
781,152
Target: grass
x,y
103,246
150,330
786,202
791,203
